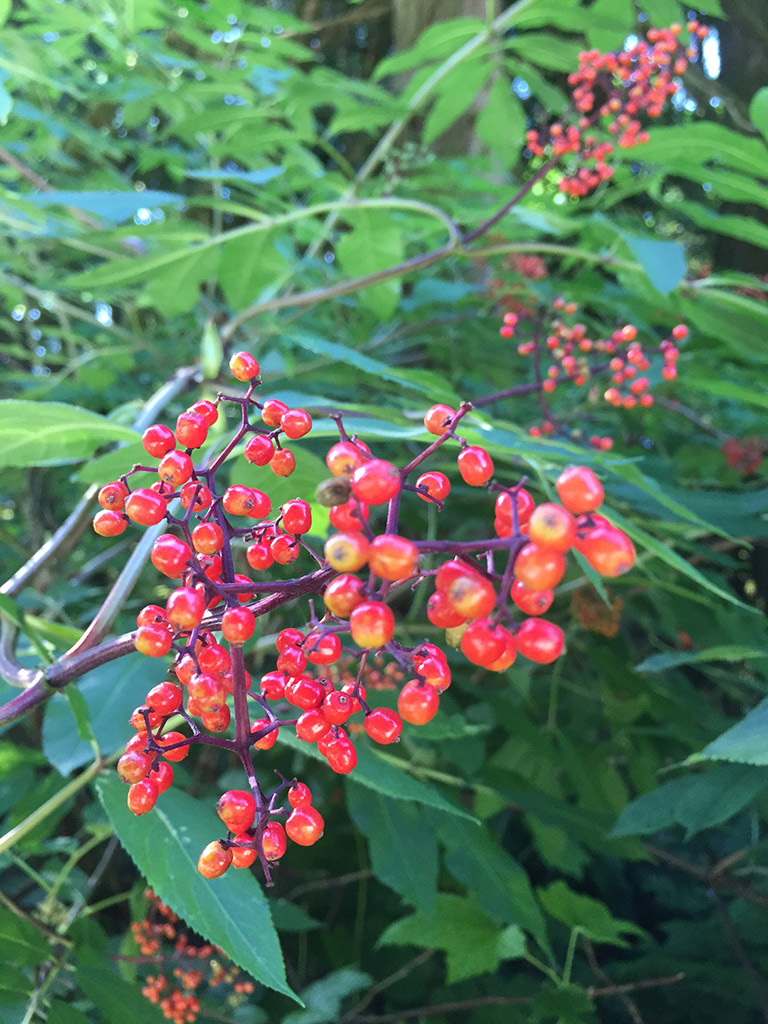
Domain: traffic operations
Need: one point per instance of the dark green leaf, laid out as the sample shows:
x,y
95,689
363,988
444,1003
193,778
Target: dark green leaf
x,y
114,998
402,844
324,998
746,742
374,242
725,652
592,916
20,942
758,111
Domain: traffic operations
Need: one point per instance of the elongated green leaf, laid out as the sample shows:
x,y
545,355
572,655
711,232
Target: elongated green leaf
x,y
231,911
698,801
495,880
502,122
112,464
20,942
725,652
260,177
663,262
53,434
380,775
669,556
758,111
746,742
744,228
702,142
729,389
403,847
374,242
248,266
435,42
114,206
546,50
472,943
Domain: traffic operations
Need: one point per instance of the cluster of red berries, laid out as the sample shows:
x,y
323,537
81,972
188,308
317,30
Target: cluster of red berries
x,y
745,455
566,353
194,966
610,91
311,690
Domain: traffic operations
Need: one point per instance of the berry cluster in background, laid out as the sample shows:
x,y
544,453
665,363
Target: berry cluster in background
x,y
489,595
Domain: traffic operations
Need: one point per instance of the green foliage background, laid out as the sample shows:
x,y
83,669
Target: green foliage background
x,y
178,180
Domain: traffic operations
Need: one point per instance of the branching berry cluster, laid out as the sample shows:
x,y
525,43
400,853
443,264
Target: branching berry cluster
x,y
610,92
565,353
311,691
187,968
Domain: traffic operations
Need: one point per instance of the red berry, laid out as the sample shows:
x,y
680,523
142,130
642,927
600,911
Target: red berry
x,y
214,860
296,423
525,506
165,698
383,725
243,366
273,411
284,549
349,517
304,825
243,856
162,775
551,526
299,795
113,495
196,496
239,500
259,450
433,485
372,624
154,639
438,418
170,555
608,550
346,552
441,612
343,594
297,516
312,725
145,507
208,538
142,796
376,482
287,638
339,706
540,568
475,466
191,430
539,640
392,557
483,641
322,648
532,602
273,841
304,692
175,468
207,410
237,809
133,766
341,755
158,440
237,625
259,556
178,753
283,462
185,608
579,489
269,739
344,457
108,523
418,702
680,332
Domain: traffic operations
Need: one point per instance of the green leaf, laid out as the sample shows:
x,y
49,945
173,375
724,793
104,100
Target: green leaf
x,y
457,94
211,351
591,916
6,105
699,801
702,142
566,1003
250,265
663,262
112,465
724,652
324,998
402,844
5,10
20,942
382,776
758,111
546,50
115,998
729,389
496,881
231,911
65,1013
108,694
669,556
502,122
374,242
745,742
260,177
52,433
472,943
113,206
435,42
743,228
